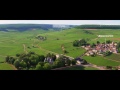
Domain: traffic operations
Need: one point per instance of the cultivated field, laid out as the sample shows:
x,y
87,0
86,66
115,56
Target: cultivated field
x,y
12,43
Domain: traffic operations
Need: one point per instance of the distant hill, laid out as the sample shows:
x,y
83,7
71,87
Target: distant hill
x,y
98,26
24,27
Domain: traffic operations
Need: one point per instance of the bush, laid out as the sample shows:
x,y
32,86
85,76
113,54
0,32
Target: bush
x,y
47,66
109,67
73,62
17,55
17,64
68,62
39,67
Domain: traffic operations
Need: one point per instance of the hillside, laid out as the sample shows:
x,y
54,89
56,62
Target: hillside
x,y
24,27
98,27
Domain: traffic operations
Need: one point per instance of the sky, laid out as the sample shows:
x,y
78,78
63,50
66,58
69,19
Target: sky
x,y
67,22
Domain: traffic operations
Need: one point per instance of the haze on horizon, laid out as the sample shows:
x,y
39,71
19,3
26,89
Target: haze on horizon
x,y
65,22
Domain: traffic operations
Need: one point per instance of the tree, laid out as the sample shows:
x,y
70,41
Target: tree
x,y
17,64
75,43
48,55
7,58
31,52
65,51
47,66
22,56
54,65
73,62
118,47
41,58
41,63
98,42
53,57
107,53
68,62
23,64
11,60
26,59
118,50
108,41
33,62
38,67
93,45
17,55
60,63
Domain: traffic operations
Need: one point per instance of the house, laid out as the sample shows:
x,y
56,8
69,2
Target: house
x,y
81,61
87,54
48,59
57,56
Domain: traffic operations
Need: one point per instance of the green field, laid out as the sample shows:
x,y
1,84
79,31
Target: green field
x,y
4,66
12,42
101,61
80,68
115,57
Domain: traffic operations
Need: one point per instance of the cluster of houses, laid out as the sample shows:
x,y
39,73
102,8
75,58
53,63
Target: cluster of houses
x,y
100,48
48,59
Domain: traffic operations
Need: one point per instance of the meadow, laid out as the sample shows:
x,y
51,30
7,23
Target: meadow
x,y
12,42
5,66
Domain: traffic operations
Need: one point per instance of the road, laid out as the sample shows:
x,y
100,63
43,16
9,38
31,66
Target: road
x,y
25,48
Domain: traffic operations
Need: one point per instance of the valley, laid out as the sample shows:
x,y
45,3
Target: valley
x,y
14,42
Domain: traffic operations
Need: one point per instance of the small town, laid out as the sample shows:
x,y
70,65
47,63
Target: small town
x,y
99,49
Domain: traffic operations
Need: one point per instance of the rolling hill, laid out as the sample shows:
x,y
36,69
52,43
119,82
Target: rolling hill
x,y
24,27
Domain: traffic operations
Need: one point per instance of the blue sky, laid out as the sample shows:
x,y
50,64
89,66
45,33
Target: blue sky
x,y
71,22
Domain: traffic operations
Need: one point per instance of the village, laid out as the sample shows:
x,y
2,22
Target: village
x,y
100,48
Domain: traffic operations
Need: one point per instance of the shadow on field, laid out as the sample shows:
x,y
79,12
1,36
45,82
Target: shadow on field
x,y
75,68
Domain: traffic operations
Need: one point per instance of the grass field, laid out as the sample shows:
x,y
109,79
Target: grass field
x,y
12,43
4,66
115,57
100,61
80,68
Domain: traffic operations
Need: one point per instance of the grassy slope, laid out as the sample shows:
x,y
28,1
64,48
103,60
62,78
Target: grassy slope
x,y
4,66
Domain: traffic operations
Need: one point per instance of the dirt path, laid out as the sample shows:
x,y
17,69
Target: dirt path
x,y
25,48
95,39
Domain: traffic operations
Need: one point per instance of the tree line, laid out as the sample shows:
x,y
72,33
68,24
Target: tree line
x,y
33,61
98,27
